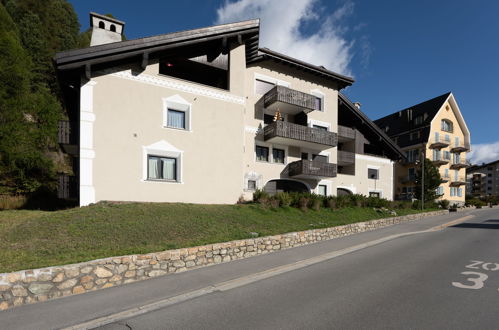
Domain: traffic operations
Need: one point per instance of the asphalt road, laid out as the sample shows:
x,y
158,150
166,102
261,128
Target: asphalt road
x,y
447,279
404,276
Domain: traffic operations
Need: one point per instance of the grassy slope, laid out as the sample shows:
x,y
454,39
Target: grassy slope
x,y
34,239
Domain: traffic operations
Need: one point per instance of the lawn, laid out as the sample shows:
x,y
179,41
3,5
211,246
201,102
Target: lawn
x,y
34,239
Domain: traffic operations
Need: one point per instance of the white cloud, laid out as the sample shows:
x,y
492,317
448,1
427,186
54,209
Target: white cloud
x,y
484,153
282,23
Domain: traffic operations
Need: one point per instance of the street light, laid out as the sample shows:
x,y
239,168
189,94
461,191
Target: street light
x,y
422,180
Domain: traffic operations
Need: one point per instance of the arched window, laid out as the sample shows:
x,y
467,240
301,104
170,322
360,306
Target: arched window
x,y
446,125
102,25
112,28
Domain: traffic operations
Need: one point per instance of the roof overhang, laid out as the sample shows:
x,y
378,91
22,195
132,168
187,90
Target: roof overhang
x,y
265,54
246,32
460,120
394,149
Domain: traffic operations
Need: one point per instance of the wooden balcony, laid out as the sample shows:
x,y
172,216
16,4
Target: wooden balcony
x,y
68,187
288,100
346,158
67,137
311,169
407,179
457,164
286,133
438,143
345,133
459,181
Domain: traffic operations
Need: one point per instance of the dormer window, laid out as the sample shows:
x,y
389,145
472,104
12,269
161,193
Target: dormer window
x,y
102,25
446,125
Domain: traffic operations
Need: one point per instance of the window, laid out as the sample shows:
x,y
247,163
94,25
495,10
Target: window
x,y
319,99
175,119
440,190
456,141
262,154
374,194
411,173
447,155
446,125
161,168
262,87
460,192
447,138
177,113
268,119
489,175
418,120
436,154
322,190
412,155
112,28
102,25
278,155
318,103
446,173
373,173
322,128
437,137
452,191
251,184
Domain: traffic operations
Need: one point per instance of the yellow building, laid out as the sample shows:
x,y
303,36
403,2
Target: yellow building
x,y
437,130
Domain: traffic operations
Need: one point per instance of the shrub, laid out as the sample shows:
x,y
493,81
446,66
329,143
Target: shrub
x,y
303,203
444,204
284,199
259,194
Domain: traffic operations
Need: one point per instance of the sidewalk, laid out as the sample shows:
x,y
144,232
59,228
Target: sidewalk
x,y
68,311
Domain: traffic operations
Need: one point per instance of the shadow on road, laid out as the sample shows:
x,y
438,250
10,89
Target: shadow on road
x,y
488,224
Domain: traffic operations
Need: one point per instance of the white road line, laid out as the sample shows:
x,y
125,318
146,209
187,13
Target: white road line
x,y
245,280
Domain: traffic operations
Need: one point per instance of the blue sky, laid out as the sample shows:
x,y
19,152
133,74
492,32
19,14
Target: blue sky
x,y
399,52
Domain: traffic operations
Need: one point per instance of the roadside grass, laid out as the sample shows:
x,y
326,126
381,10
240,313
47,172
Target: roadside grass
x,y
35,239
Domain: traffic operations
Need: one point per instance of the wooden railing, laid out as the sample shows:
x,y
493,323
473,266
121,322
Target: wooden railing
x,y
68,187
299,132
312,168
290,96
346,157
346,132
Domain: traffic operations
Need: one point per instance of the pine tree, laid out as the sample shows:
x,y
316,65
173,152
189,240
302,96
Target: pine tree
x,y
432,181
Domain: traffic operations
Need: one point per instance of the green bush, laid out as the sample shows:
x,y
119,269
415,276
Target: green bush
x,y
259,194
444,204
284,199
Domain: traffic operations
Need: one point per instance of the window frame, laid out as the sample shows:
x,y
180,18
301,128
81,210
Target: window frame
x,y
449,128
322,97
373,169
168,110
162,149
256,153
179,104
160,158
283,155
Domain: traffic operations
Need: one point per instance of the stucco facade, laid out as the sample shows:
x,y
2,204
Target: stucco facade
x,y
126,138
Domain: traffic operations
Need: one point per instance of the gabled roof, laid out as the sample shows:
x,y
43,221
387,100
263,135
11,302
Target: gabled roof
x,y
400,122
372,131
246,31
265,53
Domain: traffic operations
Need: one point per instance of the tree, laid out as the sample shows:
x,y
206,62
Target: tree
x,y
432,181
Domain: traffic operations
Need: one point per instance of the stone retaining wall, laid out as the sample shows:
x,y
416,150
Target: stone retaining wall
x,y
29,286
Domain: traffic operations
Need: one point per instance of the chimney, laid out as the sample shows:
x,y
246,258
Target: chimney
x,y
105,29
357,104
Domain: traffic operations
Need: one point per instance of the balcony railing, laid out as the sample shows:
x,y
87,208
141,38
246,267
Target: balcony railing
x,y
288,133
407,178
346,157
439,143
346,133
458,181
440,160
288,100
67,136
68,187
460,147
312,169
458,163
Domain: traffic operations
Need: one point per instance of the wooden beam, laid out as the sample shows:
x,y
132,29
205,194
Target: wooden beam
x,y
239,39
145,60
88,71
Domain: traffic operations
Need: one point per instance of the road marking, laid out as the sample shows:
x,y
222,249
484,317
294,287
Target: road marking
x,y
451,223
245,280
